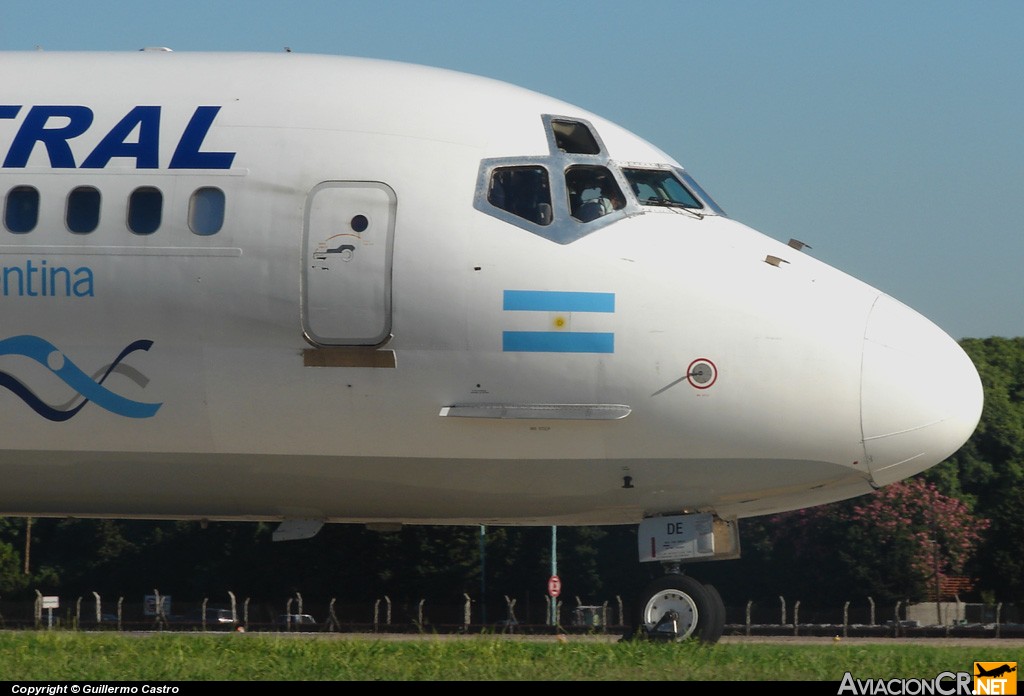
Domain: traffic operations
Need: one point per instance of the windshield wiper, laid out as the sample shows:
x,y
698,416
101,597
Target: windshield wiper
x,y
675,205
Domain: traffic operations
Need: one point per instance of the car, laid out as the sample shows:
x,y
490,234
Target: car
x,y
215,616
296,621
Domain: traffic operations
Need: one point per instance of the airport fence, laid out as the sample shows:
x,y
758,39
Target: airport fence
x,y
161,612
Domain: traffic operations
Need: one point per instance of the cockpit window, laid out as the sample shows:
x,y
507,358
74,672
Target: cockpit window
x,y
660,187
574,137
696,188
592,192
522,191
575,189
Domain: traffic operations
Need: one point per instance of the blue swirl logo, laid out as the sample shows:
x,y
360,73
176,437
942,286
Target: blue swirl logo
x,y
89,388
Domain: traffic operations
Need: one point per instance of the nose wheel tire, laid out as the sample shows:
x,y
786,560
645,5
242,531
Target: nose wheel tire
x,y
677,608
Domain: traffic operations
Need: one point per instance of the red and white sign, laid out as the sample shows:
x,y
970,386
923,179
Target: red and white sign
x,y
554,586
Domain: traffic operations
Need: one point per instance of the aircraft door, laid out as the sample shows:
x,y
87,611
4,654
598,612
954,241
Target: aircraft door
x,y
346,276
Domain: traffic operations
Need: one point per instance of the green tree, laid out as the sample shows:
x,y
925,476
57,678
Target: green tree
x,y
12,578
988,471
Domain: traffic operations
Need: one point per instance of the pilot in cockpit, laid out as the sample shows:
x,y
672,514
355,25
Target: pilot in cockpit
x,y
593,192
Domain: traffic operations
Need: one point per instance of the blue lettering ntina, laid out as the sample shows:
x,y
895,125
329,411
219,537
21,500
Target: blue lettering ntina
x,y
38,278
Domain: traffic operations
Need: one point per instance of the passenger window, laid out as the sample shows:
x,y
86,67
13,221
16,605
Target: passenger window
x,y
144,210
83,213
21,211
593,192
574,137
206,211
522,191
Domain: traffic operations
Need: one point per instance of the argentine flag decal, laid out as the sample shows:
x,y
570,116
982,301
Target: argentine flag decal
x,y
550,316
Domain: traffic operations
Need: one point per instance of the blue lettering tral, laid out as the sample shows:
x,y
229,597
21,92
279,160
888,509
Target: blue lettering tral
x,y
134,137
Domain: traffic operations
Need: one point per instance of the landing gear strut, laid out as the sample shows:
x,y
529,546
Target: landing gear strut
x,y
676,607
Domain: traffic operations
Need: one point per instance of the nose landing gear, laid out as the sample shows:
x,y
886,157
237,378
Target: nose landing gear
x,y
676,607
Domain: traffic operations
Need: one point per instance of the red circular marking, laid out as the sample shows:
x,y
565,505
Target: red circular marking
x,y
698,385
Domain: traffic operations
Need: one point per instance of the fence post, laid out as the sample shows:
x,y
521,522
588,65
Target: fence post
x,y
37,610
387,616
750,603
871,601
846,617
465,612
245,613
896,623
120,603
376,616
510,614
332,619
622,618
99,614
161,618
796,618
419,615
78,613
956,615
782,602
299,597
999,611
288,614
234,607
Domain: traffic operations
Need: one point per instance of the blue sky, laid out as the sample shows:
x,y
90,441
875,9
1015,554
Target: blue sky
x,y
887,135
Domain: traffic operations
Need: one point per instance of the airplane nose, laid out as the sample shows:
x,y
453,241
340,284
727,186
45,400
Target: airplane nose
x,y
921,396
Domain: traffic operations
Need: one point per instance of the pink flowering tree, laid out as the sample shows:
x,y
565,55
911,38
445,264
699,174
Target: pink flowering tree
x,y
939,532
900,542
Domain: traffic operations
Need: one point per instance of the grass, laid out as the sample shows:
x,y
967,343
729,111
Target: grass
x,y
59,655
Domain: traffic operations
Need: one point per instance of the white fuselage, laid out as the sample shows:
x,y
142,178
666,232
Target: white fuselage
x,y
291,377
